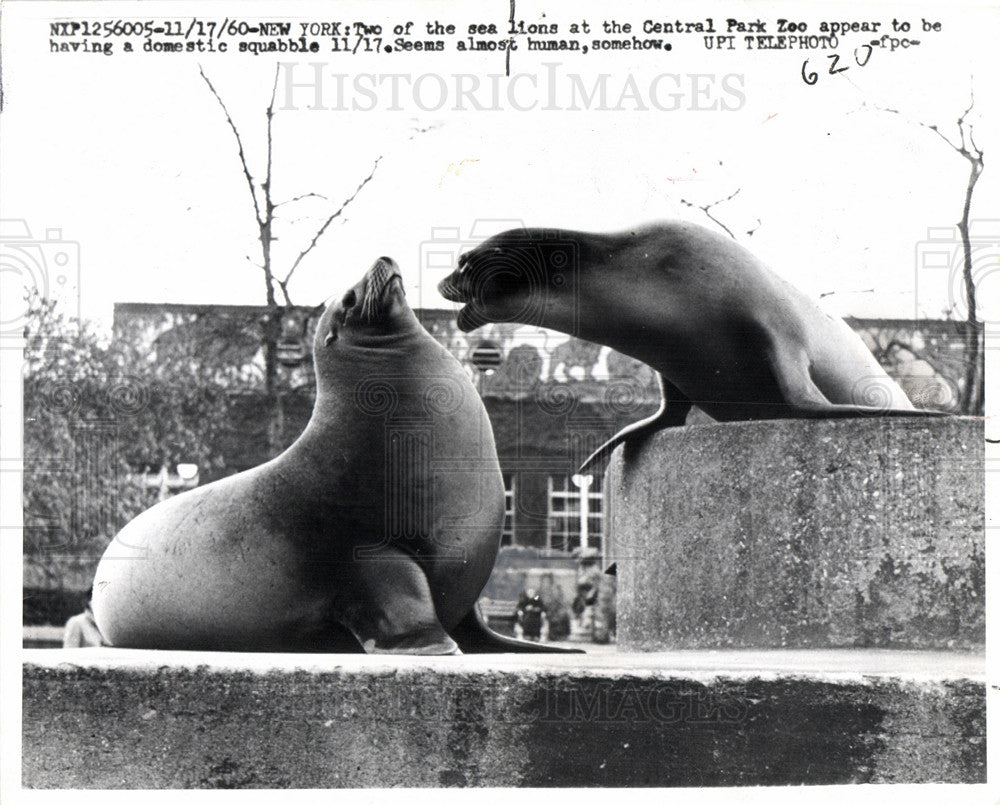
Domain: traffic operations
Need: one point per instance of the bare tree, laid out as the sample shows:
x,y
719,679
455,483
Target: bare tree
x,y
970,400
264,211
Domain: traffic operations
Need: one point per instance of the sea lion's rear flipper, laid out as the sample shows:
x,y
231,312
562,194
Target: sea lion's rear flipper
x,y
391,609
673,411
803,399
474,636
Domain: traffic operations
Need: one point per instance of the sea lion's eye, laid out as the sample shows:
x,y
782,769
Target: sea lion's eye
x,y
349,300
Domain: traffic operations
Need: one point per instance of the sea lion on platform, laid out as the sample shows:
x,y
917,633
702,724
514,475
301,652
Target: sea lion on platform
x,y
724,332
377,528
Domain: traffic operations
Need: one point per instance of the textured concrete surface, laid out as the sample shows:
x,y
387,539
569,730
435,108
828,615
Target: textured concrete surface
x,y
862,532
107,718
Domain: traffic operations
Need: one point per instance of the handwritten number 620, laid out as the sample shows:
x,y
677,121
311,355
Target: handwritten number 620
x,y
811,77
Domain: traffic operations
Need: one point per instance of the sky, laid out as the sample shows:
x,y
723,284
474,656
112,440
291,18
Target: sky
x,y
131,158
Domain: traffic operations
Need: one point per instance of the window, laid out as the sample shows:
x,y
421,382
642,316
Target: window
x,y
569,526
510,498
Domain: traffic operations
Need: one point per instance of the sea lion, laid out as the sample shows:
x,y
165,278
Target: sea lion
x,y
724,332
377,528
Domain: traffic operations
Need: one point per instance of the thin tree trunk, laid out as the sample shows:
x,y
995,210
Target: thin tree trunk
x,y
972,386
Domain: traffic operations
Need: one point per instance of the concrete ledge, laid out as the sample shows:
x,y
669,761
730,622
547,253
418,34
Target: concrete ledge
x,y
107,718
857,532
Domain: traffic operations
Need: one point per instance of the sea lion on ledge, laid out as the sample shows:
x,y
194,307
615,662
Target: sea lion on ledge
x,y
724,332
376,529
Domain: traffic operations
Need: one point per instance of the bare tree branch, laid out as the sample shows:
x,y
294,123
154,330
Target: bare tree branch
x,y
423,129
299,198
270,118
706,209
972,141
972,102
327,223
239,145
964,130
267,225
283,285
832,293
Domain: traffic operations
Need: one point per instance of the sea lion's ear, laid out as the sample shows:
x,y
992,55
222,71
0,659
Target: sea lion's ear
x,y
330,338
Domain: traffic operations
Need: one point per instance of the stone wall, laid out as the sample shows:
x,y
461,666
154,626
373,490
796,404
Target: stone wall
x,y
106,719
854,532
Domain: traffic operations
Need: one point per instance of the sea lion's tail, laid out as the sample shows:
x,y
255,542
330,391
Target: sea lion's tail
x,y
474,637
597,461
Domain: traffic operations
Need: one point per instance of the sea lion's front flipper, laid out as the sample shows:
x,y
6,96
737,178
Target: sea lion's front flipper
x,y
391,610
476,637
673,411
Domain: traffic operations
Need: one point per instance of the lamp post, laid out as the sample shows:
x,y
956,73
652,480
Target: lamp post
x,y
583,483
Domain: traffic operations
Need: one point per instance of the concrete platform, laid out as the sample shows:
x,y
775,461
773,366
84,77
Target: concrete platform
x,y
112,718
801,534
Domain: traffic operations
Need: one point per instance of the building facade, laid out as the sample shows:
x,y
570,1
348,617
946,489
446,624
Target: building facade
x,y
552,399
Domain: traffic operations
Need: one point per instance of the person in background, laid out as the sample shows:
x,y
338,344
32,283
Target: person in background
x,y
531,614
556,612
81,630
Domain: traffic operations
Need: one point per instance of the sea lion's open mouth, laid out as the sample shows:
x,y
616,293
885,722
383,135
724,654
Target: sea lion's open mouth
x,y
469,316
448,287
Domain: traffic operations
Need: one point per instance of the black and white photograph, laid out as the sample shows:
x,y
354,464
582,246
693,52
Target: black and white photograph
x,y
530,398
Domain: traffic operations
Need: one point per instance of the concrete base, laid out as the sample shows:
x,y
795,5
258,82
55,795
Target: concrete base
x,y
107,718
858,532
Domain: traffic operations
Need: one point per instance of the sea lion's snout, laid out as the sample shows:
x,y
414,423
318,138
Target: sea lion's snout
x,y
377,285
453,292
370,301
450,291
377,290
452,286
491,280
474,284
384,266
